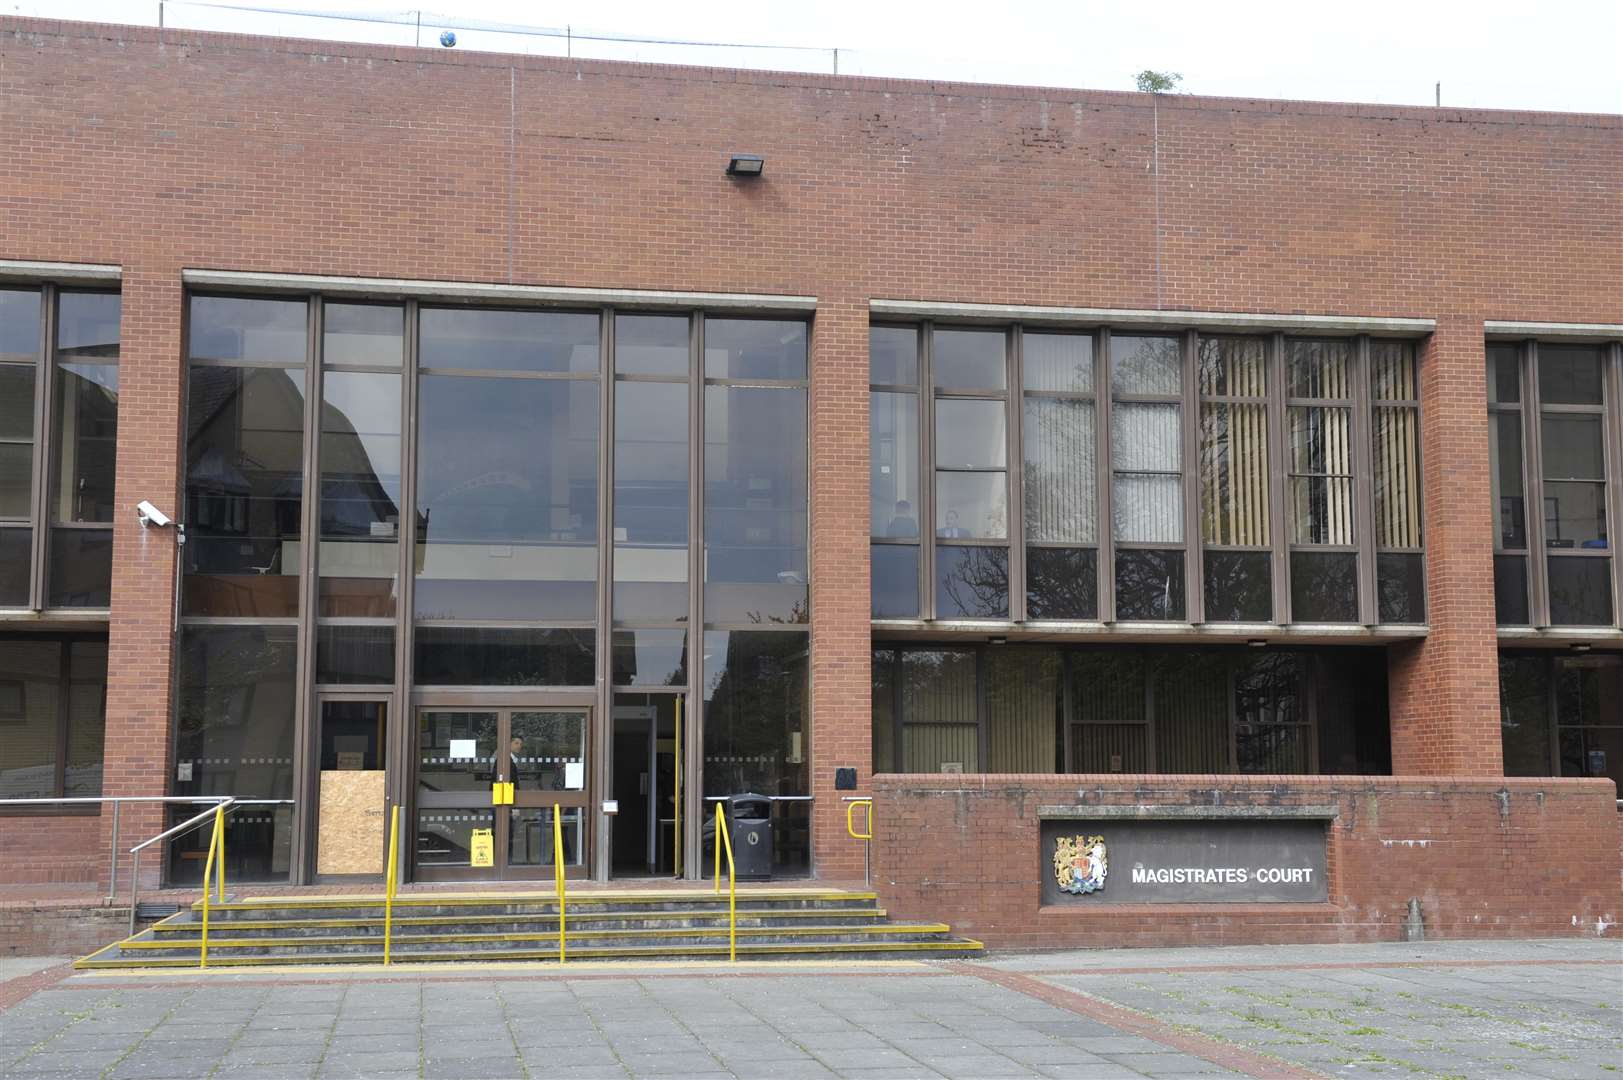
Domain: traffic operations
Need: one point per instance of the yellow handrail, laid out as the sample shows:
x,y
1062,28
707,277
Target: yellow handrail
x,y
216,846
850,824
219,869
558,874
725,841
389,882
676,814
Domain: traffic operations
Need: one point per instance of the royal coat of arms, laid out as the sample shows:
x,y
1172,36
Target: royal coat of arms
x,y
1080,864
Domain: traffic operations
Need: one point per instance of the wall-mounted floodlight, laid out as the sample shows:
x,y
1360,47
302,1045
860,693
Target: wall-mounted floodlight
x,y
746,165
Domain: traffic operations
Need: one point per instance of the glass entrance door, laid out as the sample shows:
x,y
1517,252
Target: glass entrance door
x,y
470,824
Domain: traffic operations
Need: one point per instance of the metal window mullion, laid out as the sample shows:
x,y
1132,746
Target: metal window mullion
x,y
1014,457
693,743
1104,526
982,738
1614,452
1279,482
1364,483
1533,488
926,412
402,729
301,866
39,482
1194,592
1065,707
601,726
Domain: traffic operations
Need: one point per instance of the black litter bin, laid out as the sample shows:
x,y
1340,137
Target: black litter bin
x,y
749,823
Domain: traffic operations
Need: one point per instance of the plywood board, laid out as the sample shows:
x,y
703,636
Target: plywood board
x,y
351,822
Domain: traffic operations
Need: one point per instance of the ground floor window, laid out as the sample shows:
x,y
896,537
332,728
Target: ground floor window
x,y
53,709
1049,709
1561,715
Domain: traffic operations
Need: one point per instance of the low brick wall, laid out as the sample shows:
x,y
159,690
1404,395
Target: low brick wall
x,y
1493,857
56,928
40,849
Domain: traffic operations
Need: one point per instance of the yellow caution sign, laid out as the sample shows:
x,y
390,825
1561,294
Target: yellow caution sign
x,y
482,849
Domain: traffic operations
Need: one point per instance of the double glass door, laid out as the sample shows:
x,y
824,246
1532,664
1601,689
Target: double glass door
x,y
488,781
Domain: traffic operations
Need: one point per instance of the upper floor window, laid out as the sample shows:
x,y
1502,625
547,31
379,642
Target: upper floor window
x,y
1555,438
58,436
1162,477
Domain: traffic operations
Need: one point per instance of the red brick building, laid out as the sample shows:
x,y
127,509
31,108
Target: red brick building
x,y
1081,449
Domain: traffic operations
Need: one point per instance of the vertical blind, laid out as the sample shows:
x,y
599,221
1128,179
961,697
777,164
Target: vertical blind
x,y
1234,442
1397,445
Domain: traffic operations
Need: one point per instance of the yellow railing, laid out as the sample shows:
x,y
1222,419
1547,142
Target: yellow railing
x,y
723,841
866,835
558,876
676,812
393,872
215,863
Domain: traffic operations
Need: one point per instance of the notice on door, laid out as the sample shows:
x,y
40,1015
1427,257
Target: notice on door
x,y
482,848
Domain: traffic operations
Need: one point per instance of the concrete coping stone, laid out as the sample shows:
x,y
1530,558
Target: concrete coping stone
x,y
1141,812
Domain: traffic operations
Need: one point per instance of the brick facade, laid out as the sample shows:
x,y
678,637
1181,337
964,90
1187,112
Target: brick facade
x,y
163,150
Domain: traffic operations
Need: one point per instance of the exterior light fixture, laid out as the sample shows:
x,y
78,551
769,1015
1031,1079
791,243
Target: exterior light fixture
x,y
998,639
1257,642
1581,646
746,166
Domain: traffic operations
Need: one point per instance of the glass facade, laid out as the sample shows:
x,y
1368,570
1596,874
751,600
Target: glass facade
x,y
53,708
1559,715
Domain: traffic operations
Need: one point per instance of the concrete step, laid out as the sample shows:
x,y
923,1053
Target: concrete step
x,y
267,908
190,926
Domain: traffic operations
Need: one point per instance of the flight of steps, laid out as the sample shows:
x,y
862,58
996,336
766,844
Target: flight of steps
x,y
629,925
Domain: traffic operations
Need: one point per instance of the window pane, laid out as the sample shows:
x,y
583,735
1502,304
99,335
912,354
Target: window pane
x,y
363,334
1397,478
1588,690
30,710
16,455
893,355
84,442
1149,585
1507,464
754,349
1400,583
1319,369
1193,697
893,464
755,504
86,325
1061,471
15,545
244,485
239,328
651,345
1148,508
471,338
894,581
81,573
1510,590
884,710
969,359
1239,586
1504,375
87,718
1324,587
971,582
1575,515
1321,510
360,493
1392,371
507,499
19,324
1146,438
1570,374
1580,591
1524,714
1592,751
1574,448
1146,365
650,657
1234,474
970,434
755,713
1058,362
1146,446
1282,748
971,505
498,656
1062,583
355,654
1233,367
16,402
1023,710
16,478
651,501
938,690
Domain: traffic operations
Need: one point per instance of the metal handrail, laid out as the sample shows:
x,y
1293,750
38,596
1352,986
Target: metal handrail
x,y
558,875
725,841
210,867
389,887
866,836
219,802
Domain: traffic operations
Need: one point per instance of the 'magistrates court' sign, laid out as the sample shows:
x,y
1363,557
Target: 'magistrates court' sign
x,y
1112,860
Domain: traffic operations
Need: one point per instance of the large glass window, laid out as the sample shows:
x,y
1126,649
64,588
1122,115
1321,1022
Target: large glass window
x,y
1395,437
969,436
1234,485
1559,715
1061,476
53,707
895,486
59,428
1323,533
1146,460
1553,436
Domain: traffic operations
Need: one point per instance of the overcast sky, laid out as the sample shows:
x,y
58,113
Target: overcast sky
x,y
1533,54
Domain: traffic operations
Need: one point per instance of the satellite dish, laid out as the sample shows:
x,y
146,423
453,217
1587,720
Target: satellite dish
x,y
448,39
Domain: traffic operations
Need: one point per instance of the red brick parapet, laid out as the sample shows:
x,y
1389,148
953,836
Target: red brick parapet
x,y
1486,857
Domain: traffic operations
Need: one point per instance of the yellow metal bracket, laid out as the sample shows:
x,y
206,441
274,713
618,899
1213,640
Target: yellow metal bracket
x,y
501,794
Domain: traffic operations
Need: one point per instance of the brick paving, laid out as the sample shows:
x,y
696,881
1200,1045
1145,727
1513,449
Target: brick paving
x,y
1536,1009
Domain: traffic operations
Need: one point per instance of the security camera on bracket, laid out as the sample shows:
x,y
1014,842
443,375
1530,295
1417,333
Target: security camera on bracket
x,y
147,514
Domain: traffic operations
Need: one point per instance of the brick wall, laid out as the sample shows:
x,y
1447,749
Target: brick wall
x,y
1490,857
161,150
59,929
50,850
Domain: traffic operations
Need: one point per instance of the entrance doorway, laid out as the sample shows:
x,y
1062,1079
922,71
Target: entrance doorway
x,y
352,803
644,783
470,825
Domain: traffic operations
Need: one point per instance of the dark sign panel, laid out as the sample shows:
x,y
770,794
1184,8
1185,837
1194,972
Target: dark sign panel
x,y
1251,860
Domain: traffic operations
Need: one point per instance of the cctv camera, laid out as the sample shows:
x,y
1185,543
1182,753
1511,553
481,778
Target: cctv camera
x,y
148,514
